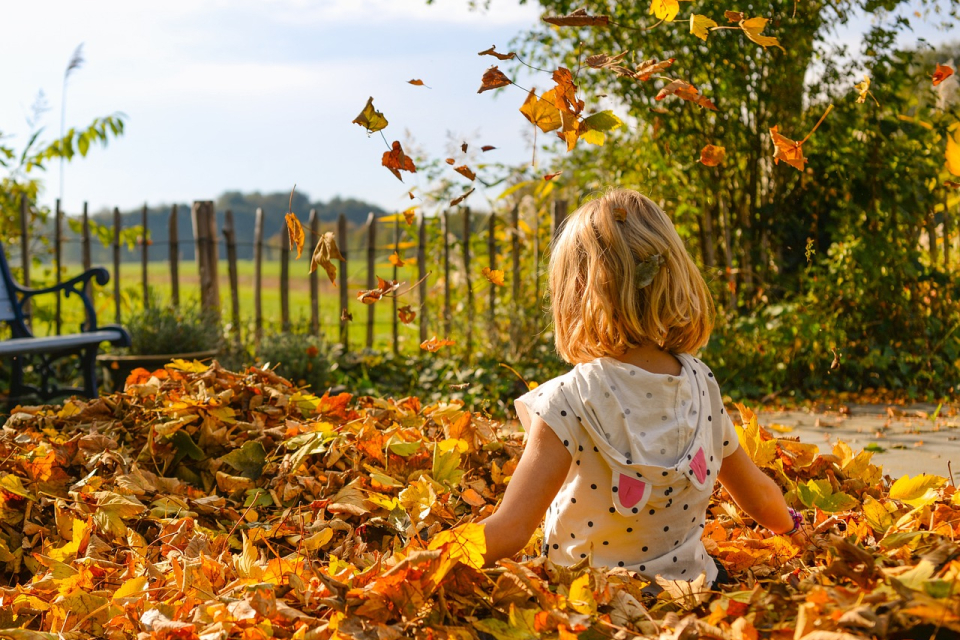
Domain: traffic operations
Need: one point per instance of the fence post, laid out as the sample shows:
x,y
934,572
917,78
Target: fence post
x,y
469,281
492,253
396,246
85,248
371,276
342,240
258,277
285,280
515,268
174,258
58,260
144,257
116,263
446,274
230,236
314,277
204,231
422,275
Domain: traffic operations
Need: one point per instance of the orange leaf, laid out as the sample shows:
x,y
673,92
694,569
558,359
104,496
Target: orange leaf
x,y
733,16
712,155
396,260
471,497
648,68
410,214
463,147
396,160
541,111
433,344
942,73
295,231
406,314
686,91
384,287
565,93
465,171
787,150
499,56
579,18
460,199
416,83
450,161
551,176
493,275
493,78
487,147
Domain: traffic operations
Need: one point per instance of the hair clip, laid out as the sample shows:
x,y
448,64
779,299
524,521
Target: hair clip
x,y
648,269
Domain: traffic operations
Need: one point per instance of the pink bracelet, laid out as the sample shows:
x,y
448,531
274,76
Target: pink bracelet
x,y
797,521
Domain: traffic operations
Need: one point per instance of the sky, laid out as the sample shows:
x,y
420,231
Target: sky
x,y
259,95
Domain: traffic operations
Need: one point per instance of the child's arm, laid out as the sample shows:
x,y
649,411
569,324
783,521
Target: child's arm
x,y
540,474
755,492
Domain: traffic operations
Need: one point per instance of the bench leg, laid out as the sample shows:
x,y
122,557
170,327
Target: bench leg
x,y
88,361
17,390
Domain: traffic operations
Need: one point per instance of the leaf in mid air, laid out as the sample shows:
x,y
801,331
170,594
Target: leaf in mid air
x,y
790,151
594,127
665,10
493,275
941,73
701,25
416,83
384,287
396,260
953,153
410,214
324,254
492,51
863,89
371,119
550,176
461,198
406,314
465,171
493,78
648,68
295,232
565,93
542,111
433,344
686,91
754,27
579,18
487,147
614,63
396,160
712,155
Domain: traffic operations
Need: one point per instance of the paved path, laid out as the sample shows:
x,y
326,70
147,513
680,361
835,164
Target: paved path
x,y
913,442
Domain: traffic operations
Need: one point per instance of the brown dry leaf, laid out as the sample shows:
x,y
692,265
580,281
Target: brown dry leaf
x,y
410,214
463,147
686,91
790,151
649,68
433,344
551,176
613,63
396,160
384,287
345,316
396,260
493,275
416,83
295,232
733,16
951,184
542,111
406,314
487,147
465,171
579,18
450,161
754,27
941,73
492,51
461,198
324,254
712,155
493,78
565,93
371,119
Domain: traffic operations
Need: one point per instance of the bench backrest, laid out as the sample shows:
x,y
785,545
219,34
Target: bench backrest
x,y
6,303
9,305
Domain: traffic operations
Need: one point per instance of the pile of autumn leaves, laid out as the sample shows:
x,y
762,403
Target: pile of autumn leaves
x,y
201,503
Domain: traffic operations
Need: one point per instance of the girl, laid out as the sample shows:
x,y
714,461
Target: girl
x,y
623,451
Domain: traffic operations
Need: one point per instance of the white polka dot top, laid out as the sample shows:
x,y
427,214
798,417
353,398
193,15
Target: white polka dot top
x,y
646,451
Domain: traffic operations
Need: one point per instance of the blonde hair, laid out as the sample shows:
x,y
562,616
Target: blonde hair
x,y
598,309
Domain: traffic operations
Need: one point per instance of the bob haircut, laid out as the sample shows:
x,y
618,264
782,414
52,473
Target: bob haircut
x,y
598,310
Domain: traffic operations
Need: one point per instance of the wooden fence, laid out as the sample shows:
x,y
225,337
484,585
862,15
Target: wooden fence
x,y
207,240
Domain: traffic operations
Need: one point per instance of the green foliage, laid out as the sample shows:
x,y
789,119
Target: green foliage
x,y
300,357
160,330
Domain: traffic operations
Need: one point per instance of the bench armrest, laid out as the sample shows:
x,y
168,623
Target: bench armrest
x,y
75,285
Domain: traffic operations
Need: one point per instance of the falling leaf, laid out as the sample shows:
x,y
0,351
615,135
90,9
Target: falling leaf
x,y
733,16
754,27
619,214
461,198
579,18
465,171
863,89
941,73
345,316
594,127
712,155
416,83
493,275
406,314
324,254
665,10
953,152
649,68
396,160
295,231
686,91
433,344
371,119
951,184
565,93
410,214
395,259
450,161
787,150
542,111
487,147
493,78
602,60
551,176
463,147
384,287
700,25
499,56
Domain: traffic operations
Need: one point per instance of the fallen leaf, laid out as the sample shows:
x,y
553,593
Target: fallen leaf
x,y
941,73
499,56
579,18
396,160
493,78
384,287
345,316
295,232
493,275
787,150
465,171
324,254
450,161
371,119
463,147
712,155
433,344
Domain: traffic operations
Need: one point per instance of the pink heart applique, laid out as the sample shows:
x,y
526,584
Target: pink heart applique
x,y
699,465
631,490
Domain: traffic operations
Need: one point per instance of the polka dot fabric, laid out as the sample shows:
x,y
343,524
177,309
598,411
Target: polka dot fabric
x,y
646,452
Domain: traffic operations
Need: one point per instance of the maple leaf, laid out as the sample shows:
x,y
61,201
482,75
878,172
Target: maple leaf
x,y
371,119
461,198
396,160
686,91
542,111
754,27
433,344
295,232
649,68
396,260
499,56
465,171
579,18
406,314
701,25
384,287
712,155
493,78
324,254
941,73
493,275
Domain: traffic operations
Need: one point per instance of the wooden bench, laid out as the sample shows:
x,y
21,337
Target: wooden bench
x,y
44,352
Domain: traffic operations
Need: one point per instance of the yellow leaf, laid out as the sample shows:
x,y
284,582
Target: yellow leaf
x,y
594,137
396,260
11,484
318,540
541,111
917,491
295,232
762,452
371,119
700,25
876,514
581,597
324,254
863,89
190,367
665,10
953,153
493,275
466,543
130,588
754,27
